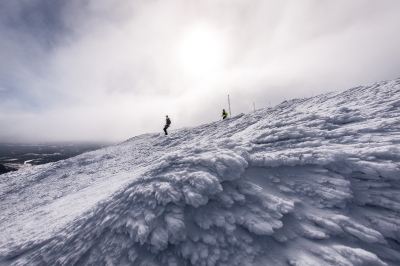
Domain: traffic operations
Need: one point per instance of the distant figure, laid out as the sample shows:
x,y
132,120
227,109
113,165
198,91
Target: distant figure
x,y
167,123
224,114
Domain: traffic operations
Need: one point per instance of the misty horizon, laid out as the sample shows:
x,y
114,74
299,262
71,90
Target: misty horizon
x,y
108,71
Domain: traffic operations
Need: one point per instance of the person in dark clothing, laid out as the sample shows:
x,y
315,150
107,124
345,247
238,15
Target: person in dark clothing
x,y
224,114
167,123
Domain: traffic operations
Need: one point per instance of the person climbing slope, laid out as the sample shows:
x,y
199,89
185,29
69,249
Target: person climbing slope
x,y
224,114
167,123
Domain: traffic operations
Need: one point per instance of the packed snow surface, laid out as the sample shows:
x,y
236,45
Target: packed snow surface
x,y
309,182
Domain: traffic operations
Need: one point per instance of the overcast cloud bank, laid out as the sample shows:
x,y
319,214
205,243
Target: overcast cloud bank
x,y
107,71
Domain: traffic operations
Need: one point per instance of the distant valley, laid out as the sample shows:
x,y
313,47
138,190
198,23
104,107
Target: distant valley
x,y
16,156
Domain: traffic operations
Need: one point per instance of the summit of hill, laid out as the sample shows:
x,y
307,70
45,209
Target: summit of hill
x,y
312,181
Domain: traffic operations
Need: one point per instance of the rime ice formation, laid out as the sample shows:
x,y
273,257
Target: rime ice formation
x,y
309,182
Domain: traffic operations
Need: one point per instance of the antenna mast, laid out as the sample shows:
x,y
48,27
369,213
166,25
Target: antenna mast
x,y
229,103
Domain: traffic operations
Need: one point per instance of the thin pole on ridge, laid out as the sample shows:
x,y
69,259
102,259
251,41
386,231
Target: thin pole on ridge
x,y
229,103
254,107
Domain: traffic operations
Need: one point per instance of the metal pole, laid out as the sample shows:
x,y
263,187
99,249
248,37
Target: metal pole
x,y
229,103
254,107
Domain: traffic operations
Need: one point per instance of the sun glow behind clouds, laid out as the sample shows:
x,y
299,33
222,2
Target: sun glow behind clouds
x,y
201,51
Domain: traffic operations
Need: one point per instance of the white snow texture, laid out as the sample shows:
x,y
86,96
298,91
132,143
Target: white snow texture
x,y
309,182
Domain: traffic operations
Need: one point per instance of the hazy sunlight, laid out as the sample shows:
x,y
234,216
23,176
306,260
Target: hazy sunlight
x,y
201,51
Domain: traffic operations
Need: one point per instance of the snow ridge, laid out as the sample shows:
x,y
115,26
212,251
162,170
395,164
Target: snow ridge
x,y
309,182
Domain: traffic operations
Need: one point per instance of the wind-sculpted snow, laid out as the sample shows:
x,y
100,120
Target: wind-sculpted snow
x,y
308,182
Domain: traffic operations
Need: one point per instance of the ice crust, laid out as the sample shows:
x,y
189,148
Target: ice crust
x,y
309,182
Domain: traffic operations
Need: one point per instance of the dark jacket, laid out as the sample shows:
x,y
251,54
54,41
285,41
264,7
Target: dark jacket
x,y
167,121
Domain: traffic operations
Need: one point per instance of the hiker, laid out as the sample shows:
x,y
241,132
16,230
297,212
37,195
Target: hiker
x,y
167,123
224,114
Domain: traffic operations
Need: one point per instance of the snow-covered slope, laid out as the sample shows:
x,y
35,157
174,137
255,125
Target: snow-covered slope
x,y
309,182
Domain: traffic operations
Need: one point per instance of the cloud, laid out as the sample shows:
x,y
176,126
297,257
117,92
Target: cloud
x,y
90,70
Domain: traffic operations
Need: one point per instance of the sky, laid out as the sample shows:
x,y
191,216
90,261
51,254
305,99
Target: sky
x,y
97,70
